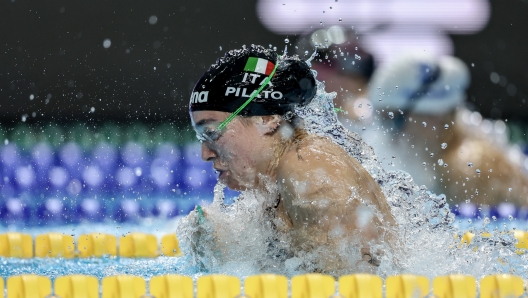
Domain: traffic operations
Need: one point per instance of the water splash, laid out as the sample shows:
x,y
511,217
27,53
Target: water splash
x,y
241,238
425,222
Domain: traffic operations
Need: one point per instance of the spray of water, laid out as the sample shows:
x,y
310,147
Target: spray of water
x,y
242,238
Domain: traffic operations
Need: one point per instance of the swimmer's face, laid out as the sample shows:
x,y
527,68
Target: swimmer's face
x,y
235,151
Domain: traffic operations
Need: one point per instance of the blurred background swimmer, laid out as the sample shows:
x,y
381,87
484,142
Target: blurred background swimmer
x,y
345,69
411,110
420,99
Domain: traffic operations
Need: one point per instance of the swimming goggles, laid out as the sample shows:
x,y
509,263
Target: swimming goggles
x,y
212,135
209,135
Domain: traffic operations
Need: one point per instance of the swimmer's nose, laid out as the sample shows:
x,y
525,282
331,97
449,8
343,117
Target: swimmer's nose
x,y
207,153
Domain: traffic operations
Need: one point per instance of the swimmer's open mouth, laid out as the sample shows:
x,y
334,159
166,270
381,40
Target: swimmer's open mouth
x,y
220,172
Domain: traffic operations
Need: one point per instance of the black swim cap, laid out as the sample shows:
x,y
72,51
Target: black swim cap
x,y
232,80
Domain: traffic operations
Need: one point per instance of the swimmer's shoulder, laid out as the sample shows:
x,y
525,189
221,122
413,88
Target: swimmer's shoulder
x,y
315,149
324,166
305,174
315,157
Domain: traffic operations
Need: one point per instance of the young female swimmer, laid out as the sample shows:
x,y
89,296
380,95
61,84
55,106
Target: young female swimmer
x,y
242,110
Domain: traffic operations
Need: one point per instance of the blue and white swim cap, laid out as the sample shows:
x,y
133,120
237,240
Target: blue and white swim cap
x,y
420,84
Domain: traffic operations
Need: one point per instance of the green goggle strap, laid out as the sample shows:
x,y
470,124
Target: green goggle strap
x,y
235,113
201,217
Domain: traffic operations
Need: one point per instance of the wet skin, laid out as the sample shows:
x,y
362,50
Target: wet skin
x,y
500,178
324,192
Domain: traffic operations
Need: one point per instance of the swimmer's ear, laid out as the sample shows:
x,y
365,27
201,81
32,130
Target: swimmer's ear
x,y
269,124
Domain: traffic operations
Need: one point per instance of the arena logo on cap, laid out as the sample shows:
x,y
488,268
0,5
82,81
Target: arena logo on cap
x,y
199,97
259,65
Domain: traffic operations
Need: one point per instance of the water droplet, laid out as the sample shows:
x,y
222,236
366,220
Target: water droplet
x,y
494,218
446,126
286,40
357,57
153,20
434,127
444,145
470,164
107,43
477,171
440,162
306,52
396,87
31,97
510,217
510,189
424,124
431,154
391,115
340,20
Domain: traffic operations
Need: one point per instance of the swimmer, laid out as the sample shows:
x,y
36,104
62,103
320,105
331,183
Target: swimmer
x,y
349,78
467,165
242,110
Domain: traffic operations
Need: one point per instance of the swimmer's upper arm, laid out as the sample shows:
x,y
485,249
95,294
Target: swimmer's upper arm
x,y
314,184
328,195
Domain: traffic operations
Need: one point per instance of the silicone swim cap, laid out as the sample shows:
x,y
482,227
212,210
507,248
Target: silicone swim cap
x,y
229,83
421,84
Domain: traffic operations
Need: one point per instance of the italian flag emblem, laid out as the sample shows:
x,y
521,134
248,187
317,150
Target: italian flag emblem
x,y
259,65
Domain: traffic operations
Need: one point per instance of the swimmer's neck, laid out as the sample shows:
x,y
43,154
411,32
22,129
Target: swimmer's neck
x,y
283,139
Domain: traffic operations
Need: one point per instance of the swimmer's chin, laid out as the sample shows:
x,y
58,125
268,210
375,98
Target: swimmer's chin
x,y
233,184
225,179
